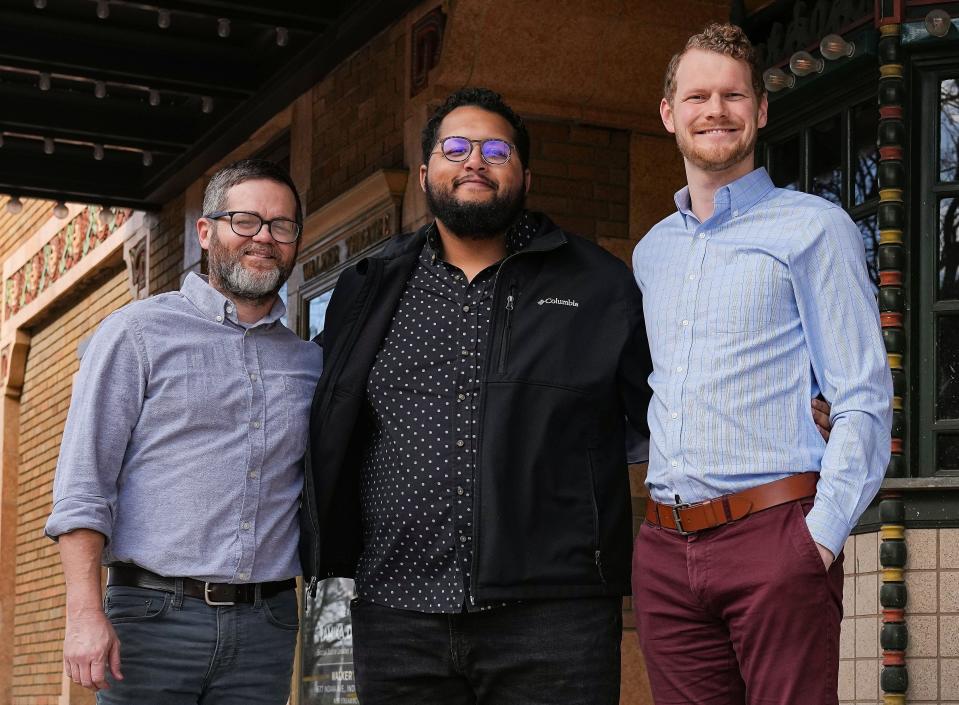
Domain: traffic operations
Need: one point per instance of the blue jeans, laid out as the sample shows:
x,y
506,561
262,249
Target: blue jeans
x,y
177,650
540,652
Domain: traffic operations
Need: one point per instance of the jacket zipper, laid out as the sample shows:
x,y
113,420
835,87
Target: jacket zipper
x,y
599,566
597,555
474,563
507,327
376,269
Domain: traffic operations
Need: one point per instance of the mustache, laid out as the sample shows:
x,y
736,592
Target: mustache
x,y
475,177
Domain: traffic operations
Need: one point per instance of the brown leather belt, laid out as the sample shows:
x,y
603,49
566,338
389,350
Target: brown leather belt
x,y
214,594
690,518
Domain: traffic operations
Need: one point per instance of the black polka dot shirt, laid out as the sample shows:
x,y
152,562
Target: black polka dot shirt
x,y
417,482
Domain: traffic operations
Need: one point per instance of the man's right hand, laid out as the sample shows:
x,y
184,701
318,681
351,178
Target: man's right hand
x,y
90,647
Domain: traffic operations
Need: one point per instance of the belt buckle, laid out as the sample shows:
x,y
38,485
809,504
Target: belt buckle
x,y
679,522
213,603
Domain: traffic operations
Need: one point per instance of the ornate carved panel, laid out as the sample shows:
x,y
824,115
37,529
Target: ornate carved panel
x,y
427,44
74,241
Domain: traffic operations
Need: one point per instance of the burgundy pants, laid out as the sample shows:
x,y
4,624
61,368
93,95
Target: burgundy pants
x,y
743,613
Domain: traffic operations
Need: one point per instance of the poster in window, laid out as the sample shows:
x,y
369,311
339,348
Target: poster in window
x,y
327,646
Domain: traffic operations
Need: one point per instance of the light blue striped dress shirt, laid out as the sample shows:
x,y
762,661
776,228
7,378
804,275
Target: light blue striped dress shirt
x,y
185,438
751,314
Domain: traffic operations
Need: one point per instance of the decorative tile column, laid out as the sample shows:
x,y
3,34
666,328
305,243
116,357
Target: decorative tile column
x,y
894,636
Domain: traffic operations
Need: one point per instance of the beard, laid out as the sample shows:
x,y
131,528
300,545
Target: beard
x,y
476,221
717,157
228,273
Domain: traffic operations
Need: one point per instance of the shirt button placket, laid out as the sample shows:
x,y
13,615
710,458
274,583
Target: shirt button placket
x,y
251,490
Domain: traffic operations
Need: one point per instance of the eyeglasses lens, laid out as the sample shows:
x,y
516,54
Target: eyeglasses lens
x,y
456,149
249,224
246,223
495,151
284,230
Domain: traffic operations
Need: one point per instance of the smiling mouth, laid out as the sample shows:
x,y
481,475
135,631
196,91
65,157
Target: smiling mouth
x,y
477,182
717,131
260,255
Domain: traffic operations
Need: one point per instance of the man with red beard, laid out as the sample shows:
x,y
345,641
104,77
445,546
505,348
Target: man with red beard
x,y
181,469
467,444
756,299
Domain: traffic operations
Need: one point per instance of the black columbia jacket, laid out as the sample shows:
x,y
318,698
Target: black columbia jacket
x,y
568,363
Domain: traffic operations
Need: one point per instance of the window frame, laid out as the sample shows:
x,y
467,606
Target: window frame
x,y
927,74
802,120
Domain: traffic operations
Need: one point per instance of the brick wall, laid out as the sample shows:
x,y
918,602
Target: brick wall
x,y
39,617
358,112
166,248
15,229
581,179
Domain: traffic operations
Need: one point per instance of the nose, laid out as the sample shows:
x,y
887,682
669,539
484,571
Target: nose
x,y
263,234
716,106
475,160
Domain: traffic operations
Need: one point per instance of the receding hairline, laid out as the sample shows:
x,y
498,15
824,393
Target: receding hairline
x,y
703,50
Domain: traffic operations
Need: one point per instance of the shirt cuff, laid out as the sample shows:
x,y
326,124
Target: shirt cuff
x,y
80,512
827,530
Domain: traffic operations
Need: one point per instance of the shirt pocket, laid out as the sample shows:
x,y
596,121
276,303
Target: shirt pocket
x,y
297,399
745,292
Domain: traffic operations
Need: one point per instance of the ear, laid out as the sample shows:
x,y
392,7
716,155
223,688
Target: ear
x,y
423,177
763,110
666,114
204,231
527,179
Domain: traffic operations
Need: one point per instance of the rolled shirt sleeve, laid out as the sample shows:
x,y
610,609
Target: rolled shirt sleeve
x,y
107,398
840,321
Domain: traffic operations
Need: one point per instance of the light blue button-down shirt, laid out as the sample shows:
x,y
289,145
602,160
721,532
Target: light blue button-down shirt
x,y
185,438
751,314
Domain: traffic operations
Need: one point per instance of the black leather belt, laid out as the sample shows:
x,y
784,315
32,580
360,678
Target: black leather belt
x,y
214,594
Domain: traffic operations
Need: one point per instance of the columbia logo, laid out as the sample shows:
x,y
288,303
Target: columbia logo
x,y
561,302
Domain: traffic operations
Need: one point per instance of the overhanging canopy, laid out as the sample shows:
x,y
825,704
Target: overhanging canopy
x,y
126,103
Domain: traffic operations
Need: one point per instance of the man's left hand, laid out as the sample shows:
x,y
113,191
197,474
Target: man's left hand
x,y
826,555
820,414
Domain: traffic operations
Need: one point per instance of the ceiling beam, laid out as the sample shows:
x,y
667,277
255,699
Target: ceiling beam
x,y
73,115
363,21
293,14
43,42
71,174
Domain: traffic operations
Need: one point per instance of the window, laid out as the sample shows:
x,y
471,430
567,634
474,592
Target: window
x,y
833,154
315,314
938,255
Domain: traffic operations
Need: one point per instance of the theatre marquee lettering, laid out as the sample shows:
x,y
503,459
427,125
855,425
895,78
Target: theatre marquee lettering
x,y
358,239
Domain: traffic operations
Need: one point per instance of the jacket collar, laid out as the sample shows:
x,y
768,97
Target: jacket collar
x,y
548,236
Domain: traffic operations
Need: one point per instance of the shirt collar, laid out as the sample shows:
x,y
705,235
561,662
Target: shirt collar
x,y
216,307
737,196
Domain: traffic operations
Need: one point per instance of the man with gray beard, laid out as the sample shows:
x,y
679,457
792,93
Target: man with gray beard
x,y
181,468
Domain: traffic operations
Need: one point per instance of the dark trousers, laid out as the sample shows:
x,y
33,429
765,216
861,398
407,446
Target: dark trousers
x,y
743,613
177,650
540,652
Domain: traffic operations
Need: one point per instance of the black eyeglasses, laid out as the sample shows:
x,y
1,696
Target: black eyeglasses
x,y
246,224
459,149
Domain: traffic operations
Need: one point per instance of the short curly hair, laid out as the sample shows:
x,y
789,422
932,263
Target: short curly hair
x,y
481,98
726,39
